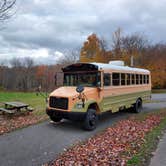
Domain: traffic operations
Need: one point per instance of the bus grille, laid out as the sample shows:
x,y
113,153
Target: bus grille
x,y
58,102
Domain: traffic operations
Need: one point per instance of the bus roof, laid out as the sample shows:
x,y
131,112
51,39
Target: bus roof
x,y
117,67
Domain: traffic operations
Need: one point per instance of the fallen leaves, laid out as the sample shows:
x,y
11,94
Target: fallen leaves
x,y
115,146
10,123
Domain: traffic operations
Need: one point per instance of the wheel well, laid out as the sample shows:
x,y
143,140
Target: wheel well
x,y
140,99
95,107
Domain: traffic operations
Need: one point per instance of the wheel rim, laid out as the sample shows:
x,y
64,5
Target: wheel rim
x,y
139,106
92,120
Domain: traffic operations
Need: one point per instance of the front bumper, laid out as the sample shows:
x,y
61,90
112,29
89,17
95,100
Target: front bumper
x,y
75,116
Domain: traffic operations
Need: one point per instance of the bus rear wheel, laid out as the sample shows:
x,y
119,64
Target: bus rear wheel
x,y
138,106
90,120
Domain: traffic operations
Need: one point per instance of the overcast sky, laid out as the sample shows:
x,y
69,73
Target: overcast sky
x,y
46,29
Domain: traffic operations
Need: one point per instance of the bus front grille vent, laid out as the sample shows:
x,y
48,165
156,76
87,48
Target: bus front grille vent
x,y
58,102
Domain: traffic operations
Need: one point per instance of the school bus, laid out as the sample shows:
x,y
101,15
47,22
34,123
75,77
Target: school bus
x,y
89,89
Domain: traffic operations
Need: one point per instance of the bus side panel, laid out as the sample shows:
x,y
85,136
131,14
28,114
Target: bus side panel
x,y
114,102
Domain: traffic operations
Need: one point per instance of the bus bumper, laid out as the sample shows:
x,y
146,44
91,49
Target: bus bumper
x,y
74,116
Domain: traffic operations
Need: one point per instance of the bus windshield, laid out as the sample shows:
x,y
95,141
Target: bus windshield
x,y
87,79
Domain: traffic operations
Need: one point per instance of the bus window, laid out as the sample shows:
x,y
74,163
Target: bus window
x,y
107,79
140,77
133,79
115,79
144,79
137,79
147,79
128,79
122,78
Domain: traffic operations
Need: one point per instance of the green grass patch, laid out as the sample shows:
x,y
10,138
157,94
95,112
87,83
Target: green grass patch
x,y
158,90
37,102
142,158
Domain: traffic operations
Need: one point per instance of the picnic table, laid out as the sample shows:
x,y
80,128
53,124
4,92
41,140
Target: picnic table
x,y
15,106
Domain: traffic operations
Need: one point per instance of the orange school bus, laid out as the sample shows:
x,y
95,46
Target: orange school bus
x,y
90,89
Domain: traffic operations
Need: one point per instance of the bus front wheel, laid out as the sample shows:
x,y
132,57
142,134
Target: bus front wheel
x,y
55,118
90,120
138,106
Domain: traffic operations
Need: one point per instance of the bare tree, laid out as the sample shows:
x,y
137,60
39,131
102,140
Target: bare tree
x,y
6,9
70,57
116,42
103,44
28,62
134,42
16,62
134,46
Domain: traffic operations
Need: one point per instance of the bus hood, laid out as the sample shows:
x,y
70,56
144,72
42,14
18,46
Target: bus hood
x,y
71,91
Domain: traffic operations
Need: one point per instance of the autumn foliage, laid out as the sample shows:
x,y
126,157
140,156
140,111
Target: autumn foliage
x,y
145,55
11,123
24,75
94,50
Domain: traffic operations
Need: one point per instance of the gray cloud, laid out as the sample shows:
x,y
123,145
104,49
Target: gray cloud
x,y
63,25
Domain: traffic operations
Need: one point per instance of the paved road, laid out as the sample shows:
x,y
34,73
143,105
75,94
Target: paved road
x,y
41,143
159,157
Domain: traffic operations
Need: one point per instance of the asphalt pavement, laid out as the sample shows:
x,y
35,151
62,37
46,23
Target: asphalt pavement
x,y
159,158
41,143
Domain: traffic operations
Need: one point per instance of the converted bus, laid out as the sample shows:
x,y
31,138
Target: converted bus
x,y
89,89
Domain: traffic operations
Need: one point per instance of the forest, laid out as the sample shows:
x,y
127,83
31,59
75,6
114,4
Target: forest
x,y
24,75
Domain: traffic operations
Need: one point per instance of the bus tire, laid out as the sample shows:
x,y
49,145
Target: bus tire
x,y
138,106
55,118
90,121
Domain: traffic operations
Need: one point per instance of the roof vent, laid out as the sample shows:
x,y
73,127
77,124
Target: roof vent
x,y
116,63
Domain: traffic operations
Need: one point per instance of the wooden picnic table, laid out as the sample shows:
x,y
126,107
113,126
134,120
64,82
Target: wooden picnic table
x,y
15,106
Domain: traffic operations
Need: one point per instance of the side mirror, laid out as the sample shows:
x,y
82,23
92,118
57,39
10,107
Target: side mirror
x,y
80,89
98,84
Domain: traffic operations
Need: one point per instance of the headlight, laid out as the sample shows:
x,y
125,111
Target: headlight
x,y
79,105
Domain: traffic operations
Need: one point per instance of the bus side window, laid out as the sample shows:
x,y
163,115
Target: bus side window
x,y
144,79
123,79
147,79
141,81
133,79
137,79
116,79
107,79
128,78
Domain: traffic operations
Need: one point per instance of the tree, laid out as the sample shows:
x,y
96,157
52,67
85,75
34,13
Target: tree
x,y
70,57
93,50
28,62
6,9
91,47
133,45
22,73
116,43
16,63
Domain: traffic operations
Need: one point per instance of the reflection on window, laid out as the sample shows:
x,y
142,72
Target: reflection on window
x,y
84,79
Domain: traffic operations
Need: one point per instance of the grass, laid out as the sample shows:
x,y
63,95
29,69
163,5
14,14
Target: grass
x,y
37,102
158,90
142,158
